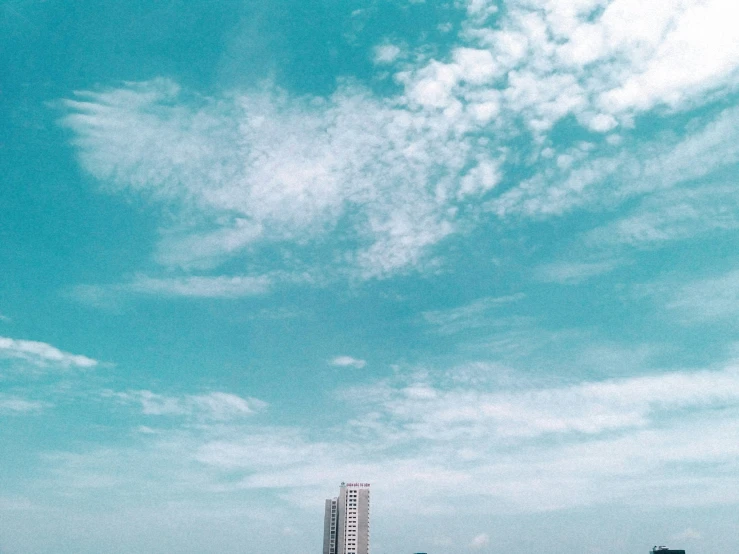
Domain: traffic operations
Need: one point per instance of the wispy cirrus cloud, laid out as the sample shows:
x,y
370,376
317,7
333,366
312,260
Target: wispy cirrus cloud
x,y
41,354
672,215
213,406
478,313
422,410
671,197
31,373
193,286
690,300
14,405
203,287
574,272
264,169
348,361
383,182
705,300
585,176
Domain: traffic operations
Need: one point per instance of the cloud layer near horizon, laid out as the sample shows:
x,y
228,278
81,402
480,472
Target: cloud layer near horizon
x,y
441,436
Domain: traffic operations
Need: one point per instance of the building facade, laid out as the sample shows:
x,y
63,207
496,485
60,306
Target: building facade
x,y
346,521
330,526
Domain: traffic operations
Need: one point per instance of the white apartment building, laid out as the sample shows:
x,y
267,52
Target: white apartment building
x,y
346,521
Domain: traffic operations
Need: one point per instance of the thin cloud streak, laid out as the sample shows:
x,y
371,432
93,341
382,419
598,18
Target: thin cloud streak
x,y
16,405
573,273
479,313
214,406
706,300
41,354
348,361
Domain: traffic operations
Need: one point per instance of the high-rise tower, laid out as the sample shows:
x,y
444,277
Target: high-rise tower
x,y
330,526
346,521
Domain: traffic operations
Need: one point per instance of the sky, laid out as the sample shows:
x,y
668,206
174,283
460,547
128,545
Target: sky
x,y
481,254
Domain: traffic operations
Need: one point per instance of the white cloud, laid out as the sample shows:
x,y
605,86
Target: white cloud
x,y
384,181
480,10
214,406
671,215
705,300
484,175
194,286
478,313
602,123
11,404
706,147
41,354
574,272
264,169
480,541
202,287
386,54
433,86
275,448
475,66
466,449
588,408
676,201
628,58
691,50
221,406
204,250
348,361
577,178
688,534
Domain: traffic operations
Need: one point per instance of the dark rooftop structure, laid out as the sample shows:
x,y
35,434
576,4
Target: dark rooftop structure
x,y
665,550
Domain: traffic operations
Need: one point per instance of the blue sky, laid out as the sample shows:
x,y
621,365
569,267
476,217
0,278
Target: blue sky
x,y
480,254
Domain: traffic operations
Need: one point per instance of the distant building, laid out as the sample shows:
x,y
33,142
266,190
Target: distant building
x,y
346,520
665,550
330,521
